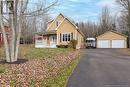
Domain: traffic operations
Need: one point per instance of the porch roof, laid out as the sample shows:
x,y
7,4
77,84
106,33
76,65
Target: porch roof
x,y
47,32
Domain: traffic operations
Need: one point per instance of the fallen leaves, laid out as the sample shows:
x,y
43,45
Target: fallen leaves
x,y
35,71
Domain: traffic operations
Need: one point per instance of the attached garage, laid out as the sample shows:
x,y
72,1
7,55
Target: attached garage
x,y
112,39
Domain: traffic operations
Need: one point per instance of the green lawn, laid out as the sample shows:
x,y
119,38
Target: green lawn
x,y
2,54
3,68
58,64
29,52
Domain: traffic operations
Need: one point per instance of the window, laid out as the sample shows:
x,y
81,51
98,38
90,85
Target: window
x,y
66,37
7,6
54,38
1,36
58,23
44,37
39,38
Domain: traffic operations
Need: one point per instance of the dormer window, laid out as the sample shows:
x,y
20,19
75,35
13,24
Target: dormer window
x,y
58,23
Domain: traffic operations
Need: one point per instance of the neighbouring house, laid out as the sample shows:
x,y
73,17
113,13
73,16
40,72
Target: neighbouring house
x,y
112,39
1,35
59,32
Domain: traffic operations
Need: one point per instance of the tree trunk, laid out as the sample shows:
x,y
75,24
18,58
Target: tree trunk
x,y
12,44
18,8
4,36
19,31
18,37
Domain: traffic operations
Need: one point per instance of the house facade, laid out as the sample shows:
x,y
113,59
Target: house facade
x,y
59,32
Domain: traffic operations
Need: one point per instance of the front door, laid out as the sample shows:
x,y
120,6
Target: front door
x,y
53,40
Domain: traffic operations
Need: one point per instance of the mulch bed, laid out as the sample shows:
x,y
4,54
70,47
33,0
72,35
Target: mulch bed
x,y
25,73
19,61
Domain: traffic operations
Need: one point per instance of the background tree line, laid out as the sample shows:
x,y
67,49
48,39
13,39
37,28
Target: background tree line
x,y
107,21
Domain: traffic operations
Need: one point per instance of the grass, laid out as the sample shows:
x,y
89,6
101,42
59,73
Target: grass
x,y
61,79
29,52
3,68
32,53
2,54
13,83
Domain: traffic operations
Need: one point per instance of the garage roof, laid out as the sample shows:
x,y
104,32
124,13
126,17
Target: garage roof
x,y
113,32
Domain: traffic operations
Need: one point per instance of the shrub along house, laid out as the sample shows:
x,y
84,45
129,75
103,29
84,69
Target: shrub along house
x,y
60,31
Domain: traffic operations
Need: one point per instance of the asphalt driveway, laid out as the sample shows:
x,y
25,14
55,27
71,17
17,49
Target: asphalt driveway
x,y
101,68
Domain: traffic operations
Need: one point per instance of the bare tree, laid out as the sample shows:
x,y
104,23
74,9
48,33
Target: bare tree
x,y
43,22
106,22
90,29
122,23
125,4
19,9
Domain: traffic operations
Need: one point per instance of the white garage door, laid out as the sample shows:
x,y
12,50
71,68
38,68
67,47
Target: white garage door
x,y
118,44
103,44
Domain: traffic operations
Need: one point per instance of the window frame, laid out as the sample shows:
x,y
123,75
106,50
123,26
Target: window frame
x,y
58,23
66,37
1,37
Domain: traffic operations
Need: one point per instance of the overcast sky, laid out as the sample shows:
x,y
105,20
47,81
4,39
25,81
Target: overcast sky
x,y
83,10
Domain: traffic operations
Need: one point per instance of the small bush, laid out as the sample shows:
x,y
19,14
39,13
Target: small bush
x,y
73,44
13,83
62,46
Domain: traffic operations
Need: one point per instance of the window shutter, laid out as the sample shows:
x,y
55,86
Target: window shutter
x,y
60,37
71,36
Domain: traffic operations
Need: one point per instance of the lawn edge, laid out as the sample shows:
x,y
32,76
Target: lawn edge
x,y
77,60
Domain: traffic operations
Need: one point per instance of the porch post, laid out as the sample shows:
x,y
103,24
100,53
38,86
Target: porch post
x,y
57,39
48,40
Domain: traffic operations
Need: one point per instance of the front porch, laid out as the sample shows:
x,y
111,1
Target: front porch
x,y
46,39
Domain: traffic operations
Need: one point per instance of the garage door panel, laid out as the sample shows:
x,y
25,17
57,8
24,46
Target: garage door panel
x,y
103,44
118,43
